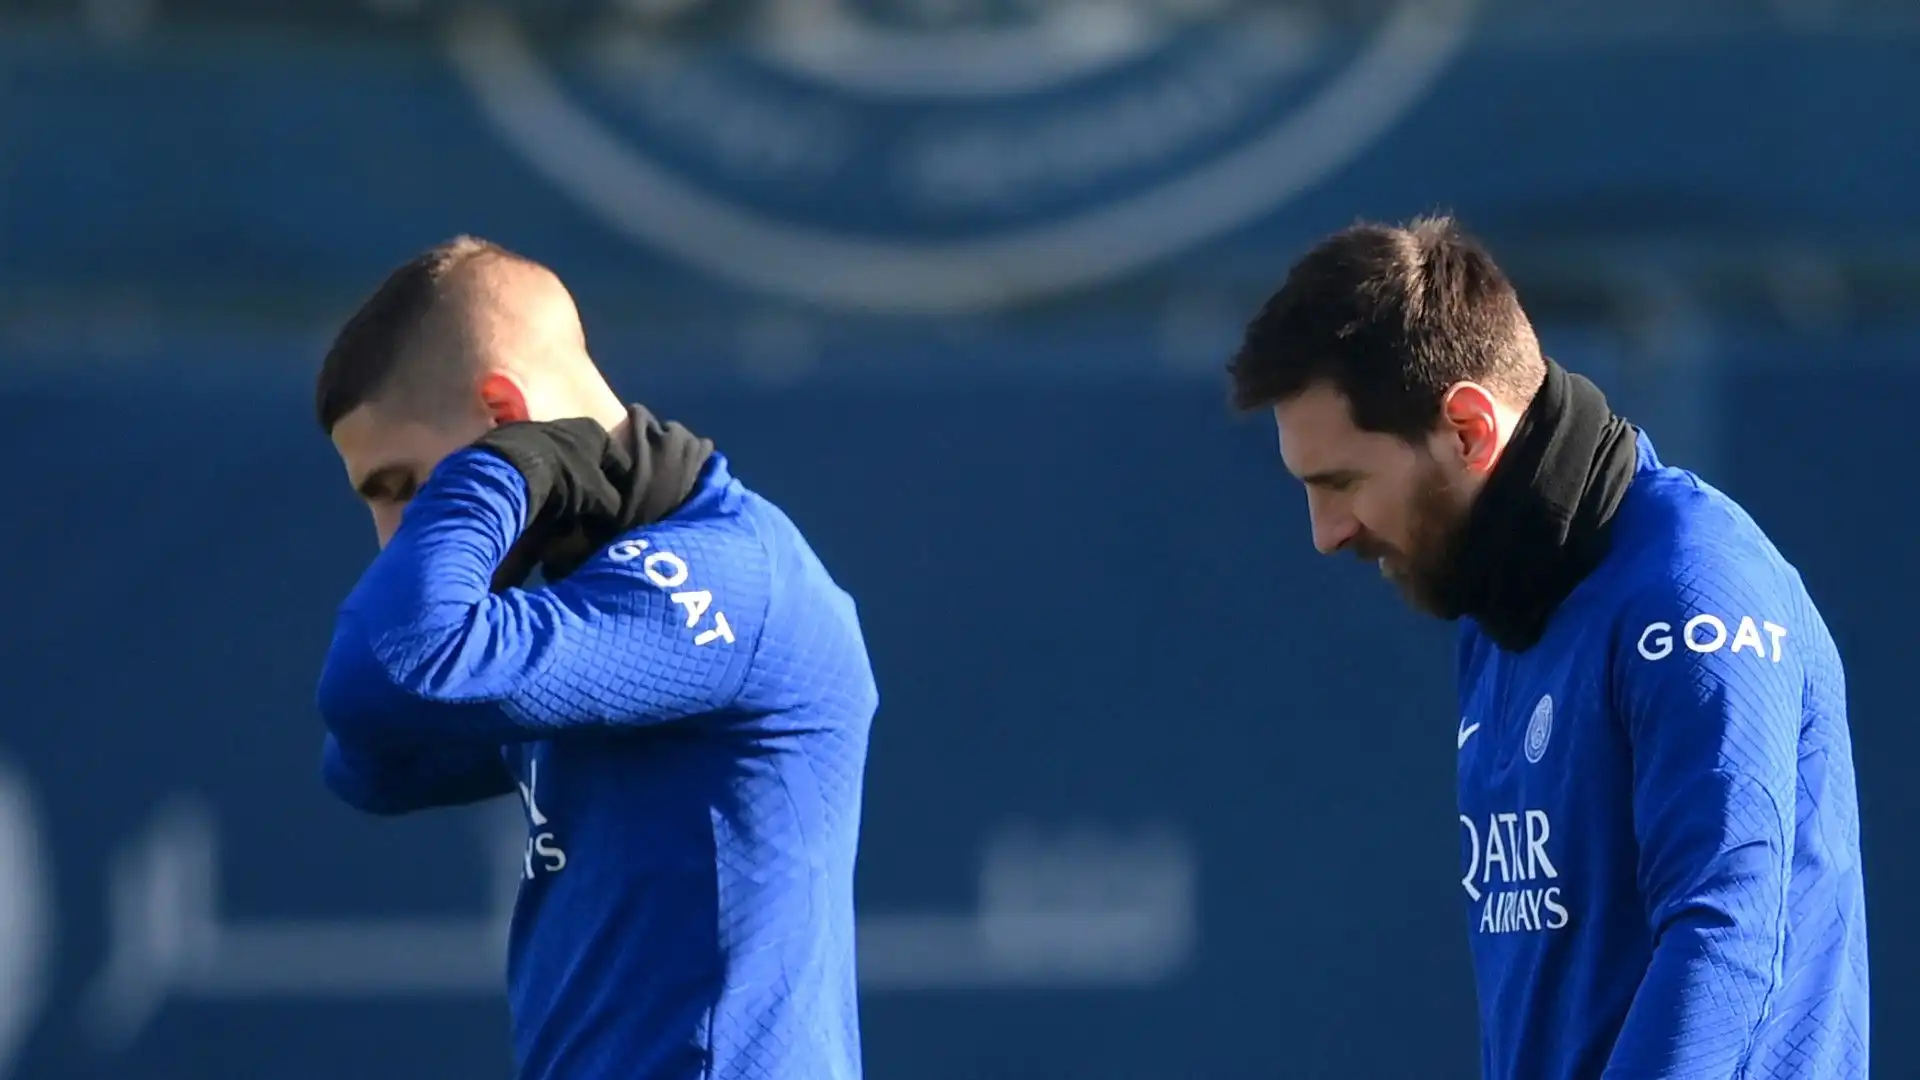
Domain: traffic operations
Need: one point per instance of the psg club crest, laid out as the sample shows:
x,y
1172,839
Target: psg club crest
x,y
1540,730
920,157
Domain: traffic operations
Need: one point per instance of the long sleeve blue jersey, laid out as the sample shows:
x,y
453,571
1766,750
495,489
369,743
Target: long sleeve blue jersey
x,y
1660,834
685,720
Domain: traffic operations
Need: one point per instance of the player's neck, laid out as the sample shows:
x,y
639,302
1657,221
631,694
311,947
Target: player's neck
x,y
1537,526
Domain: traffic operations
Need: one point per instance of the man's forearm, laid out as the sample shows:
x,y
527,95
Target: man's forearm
x,y
1702,999
389,783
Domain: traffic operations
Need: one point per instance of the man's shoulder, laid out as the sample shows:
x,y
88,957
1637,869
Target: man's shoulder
x,y
810,648
1679,537
723,510
742,541
1693,574
718,518
710,546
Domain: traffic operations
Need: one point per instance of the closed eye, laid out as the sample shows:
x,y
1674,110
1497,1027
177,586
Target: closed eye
x,y
393,484
1332,480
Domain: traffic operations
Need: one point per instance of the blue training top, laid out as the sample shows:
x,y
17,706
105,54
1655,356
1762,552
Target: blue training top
x,y
1661,843
685,718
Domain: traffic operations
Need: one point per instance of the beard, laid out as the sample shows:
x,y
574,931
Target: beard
x,y
1423,569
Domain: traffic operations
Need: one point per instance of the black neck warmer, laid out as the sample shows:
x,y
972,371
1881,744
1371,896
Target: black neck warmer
x,y
1540,525
654,468
586,487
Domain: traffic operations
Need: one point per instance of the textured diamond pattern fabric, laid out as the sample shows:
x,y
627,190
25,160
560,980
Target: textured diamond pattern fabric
x,y
1673,888
685,720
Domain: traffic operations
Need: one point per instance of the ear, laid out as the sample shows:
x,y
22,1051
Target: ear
x,y
1471,426
505,401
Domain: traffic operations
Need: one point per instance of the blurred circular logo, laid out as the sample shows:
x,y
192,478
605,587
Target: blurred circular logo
x,y
1540,729
26,919
944,156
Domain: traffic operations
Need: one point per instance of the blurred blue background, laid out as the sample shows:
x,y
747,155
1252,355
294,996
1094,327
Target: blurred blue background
x,y
952,280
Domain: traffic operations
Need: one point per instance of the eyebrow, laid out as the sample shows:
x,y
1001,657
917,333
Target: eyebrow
x,y
384,481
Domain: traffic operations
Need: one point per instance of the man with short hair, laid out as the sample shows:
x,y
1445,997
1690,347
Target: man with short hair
x,y
682,701
1656,790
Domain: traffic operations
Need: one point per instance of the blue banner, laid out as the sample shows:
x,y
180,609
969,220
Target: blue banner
x,y
847,163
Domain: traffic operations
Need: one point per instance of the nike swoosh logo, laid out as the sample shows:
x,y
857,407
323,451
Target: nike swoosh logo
x,y
1465,734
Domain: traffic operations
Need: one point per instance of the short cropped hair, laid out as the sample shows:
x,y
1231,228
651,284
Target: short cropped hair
x,y
369,359
1391,317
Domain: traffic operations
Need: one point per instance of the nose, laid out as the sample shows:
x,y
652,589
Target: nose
x,y
1333,527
